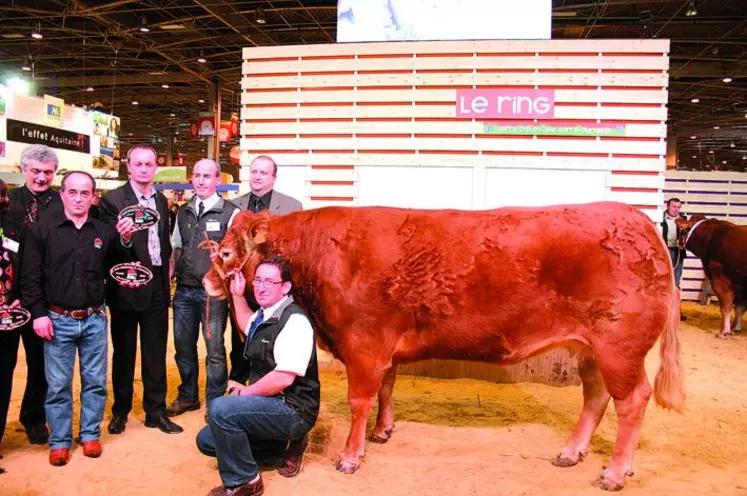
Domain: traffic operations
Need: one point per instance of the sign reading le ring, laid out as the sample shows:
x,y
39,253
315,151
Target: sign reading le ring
x,y
143,217
131,272
13,318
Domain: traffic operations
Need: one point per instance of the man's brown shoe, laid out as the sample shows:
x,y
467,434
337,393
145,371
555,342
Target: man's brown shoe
x,y
59,457
255,488
92,449
180,406
293,457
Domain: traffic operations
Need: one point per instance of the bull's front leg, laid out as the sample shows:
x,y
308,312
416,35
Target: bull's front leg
x,y
726,306
364,382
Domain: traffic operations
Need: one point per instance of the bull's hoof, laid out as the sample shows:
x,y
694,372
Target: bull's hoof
x,y
608,484
723,335
347,466
379,438
564,461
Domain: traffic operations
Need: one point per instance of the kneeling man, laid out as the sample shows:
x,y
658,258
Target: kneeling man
x,y
282,401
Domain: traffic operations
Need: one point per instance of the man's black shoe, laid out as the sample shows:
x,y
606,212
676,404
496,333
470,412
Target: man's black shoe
x,y
117,424
38,434
164,424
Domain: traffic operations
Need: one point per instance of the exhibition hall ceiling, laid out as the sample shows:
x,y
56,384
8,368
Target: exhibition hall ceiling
x,y
164,54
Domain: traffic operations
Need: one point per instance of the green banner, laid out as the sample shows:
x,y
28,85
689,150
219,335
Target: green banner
x,y
555,129
171,175
2,106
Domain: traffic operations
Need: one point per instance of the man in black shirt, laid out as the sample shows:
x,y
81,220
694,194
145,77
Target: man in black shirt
x,y
65,264
28,204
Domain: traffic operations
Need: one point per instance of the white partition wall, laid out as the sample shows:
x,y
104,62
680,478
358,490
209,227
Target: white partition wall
x,y
378,123
720,195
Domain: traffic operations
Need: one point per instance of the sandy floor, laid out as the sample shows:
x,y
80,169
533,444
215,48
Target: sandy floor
x,y
458,437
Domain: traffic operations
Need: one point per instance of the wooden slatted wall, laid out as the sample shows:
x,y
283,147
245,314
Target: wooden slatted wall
x,y
334,108
334,111
720,195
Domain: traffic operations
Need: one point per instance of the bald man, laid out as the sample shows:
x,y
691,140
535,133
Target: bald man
x,y
205,214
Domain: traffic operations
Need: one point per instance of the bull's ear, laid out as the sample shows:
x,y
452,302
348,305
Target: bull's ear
x,y
259,238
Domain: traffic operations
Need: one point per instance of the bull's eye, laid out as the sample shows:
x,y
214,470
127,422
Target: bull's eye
x,y
226,254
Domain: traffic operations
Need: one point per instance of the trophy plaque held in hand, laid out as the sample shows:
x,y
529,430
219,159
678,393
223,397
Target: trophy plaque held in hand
x,y
13,318
143,217
131,273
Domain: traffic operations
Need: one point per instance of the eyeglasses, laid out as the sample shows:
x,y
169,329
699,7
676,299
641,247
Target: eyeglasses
x,y
268,284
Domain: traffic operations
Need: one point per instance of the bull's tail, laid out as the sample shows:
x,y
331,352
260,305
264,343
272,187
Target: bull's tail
x,y
669,385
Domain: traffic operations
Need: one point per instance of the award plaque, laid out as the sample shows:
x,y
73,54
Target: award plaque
x,y
13,318
131,272
143,217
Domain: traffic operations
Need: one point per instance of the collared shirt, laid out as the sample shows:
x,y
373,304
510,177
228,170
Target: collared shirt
x,y
210,202
66,266
154,242
295,342
671,230
259,203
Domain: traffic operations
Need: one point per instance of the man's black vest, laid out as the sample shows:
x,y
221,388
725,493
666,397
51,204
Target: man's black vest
x,y
303,394
194,262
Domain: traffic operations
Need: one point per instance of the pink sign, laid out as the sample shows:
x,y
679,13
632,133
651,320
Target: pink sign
x,y
505,104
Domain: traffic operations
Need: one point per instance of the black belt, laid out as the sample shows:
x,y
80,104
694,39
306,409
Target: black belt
x,y
78,314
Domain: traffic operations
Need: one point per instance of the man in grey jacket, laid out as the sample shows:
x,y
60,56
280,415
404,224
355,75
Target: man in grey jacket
x,y
264,173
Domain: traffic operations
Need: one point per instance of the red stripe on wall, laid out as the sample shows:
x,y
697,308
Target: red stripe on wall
x,y
328,57
328,73
634,173
333,167
327,88
332,183
445,54
386,56
332,198
271,74
326,135
376,135
384,119
271,59
448,152
513,154
634,190
576,154
503,71
570,71
634,155
268,90
386,71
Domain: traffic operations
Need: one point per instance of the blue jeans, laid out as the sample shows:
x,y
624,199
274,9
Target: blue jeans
x,y
679,260
242,430
89,338
189,313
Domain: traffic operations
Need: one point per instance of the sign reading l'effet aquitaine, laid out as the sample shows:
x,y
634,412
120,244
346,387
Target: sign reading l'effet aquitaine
x,y
36,134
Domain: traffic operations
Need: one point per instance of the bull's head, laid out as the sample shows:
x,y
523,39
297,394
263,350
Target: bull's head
x,y
685,225
240,250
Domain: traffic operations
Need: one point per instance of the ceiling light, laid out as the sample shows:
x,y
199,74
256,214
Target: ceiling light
x,y
134,102
18,86
716,127
710,151
26,65
176,132
727,79
144,25
165,86
259,16
90,88
695,100
723,161
692,9
36,33
129,134
200,101
732,145
693,137
694,156
172,27
744,157
201,59
172,115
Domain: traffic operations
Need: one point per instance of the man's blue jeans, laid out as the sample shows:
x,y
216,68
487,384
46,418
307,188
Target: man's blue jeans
x,y
189,313
244,431
678,262
90,339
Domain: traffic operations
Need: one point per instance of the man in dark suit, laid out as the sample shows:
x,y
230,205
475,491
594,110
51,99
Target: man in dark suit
x,y
27,203
264,173
146,306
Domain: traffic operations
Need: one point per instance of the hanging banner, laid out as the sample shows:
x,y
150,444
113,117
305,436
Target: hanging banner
x,y
225,133
53,108
206,126
106,128
505,104
36,134
2,106
170,175
194,129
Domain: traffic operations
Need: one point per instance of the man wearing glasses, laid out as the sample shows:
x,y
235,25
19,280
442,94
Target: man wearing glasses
x,y
281,402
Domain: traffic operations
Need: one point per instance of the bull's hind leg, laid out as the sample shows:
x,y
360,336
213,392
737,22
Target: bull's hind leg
x,y
385,418
596,399
630,406
738,313
364,382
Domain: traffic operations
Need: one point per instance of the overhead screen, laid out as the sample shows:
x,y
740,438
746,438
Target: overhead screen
x,y
430,20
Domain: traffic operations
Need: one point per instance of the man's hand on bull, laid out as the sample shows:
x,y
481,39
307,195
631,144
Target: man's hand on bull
x,y
238,284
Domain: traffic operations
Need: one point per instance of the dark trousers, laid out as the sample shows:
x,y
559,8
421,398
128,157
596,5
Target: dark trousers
x,y
239,364
154,324
32,406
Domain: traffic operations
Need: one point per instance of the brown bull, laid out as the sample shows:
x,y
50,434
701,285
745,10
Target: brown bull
x,y
722,247
385,286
